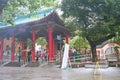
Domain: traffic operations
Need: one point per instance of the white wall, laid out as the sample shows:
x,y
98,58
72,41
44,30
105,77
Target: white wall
x,y
104,48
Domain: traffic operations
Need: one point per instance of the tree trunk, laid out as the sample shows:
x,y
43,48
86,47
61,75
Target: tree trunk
x,y
94,43
94,54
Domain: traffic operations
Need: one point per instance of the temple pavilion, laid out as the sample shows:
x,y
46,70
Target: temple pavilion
x,y
43,23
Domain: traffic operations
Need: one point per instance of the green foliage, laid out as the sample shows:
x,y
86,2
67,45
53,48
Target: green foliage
x,y
29,43
41,41
98,18
78,42
116,38
16,8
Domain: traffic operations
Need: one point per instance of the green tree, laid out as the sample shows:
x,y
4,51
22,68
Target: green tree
x,y
41,41
76,40
116,38
3,3
29,44
10,9
99,19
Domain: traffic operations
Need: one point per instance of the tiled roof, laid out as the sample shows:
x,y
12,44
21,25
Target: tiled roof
x,y
23,19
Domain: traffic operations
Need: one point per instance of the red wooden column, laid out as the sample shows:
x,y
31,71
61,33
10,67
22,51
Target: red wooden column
x,y
52,54
22,45
13,47
23,55
33,50
1,48
67,39
50,43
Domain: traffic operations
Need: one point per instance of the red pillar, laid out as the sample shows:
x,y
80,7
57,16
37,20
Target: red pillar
x,y
67,39
33,50
23,55
22,45
50,54
13,48
1,48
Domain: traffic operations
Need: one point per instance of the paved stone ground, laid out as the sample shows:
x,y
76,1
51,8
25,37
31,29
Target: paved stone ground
x,y
52,72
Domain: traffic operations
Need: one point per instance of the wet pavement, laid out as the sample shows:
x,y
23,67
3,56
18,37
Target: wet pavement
x,y
52,72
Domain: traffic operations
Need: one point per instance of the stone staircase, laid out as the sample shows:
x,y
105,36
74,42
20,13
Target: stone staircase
x,y
32,64
13,64
2,62
101,64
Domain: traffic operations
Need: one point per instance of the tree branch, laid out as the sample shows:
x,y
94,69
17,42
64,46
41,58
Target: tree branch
x,y
104,39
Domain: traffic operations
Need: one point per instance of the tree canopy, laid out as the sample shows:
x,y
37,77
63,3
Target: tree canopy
x,y
10,9
3,3
98,19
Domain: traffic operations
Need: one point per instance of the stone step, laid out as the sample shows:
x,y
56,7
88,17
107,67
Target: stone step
x,y
32,64
2,62
93,66
76,64
100,65
13,64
